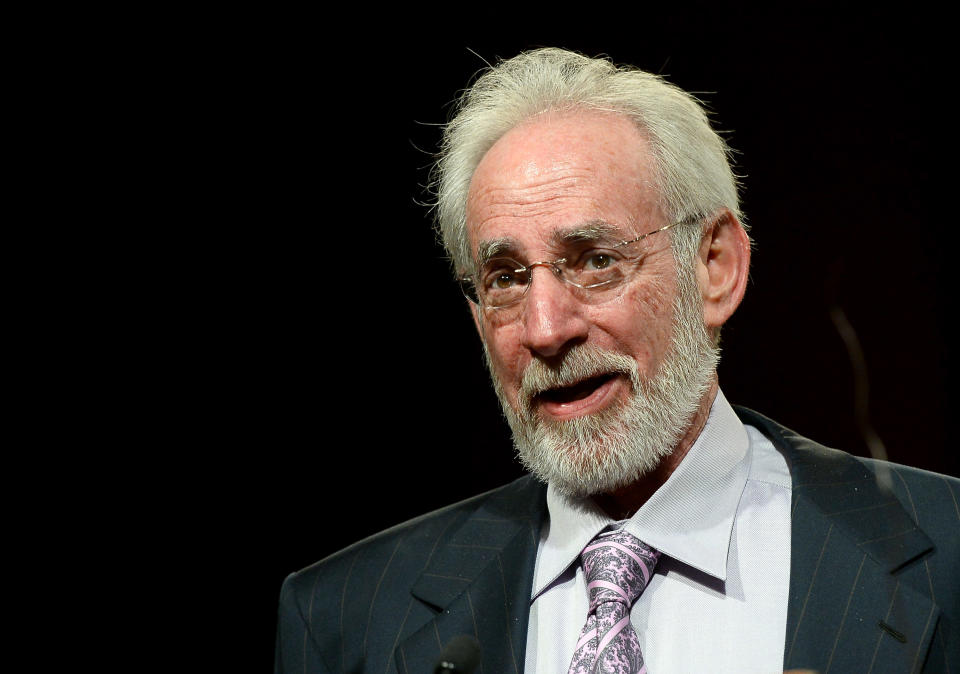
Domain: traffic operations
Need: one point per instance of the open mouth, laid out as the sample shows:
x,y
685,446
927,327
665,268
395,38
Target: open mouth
x,y
579,391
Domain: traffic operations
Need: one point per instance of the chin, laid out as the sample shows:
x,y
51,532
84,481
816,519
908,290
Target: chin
x,y
592,454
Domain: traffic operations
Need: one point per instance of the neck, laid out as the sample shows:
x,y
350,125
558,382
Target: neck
x,y
626,501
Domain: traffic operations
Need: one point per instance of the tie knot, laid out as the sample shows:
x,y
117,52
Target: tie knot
x,y
618,567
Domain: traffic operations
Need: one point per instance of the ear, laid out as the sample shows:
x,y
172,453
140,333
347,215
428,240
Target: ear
x,y
723,266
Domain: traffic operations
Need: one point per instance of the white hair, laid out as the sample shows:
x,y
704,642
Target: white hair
x,y
694,177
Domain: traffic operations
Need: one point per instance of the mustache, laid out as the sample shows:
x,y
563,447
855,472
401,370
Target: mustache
x,y
580,363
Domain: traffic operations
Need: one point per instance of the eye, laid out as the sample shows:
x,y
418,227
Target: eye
x,y
597,267
503,280
598,261
501,274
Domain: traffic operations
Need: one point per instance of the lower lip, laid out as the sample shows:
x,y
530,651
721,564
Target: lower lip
x,y
599,398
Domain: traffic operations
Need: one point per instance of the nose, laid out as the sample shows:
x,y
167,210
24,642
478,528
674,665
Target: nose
x,y
553,319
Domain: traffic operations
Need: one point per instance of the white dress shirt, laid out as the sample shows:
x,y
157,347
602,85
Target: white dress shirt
x,y
717,601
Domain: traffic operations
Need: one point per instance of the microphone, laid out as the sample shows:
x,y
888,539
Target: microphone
x,y
461,655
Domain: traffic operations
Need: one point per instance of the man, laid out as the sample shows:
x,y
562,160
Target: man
x,y
592,217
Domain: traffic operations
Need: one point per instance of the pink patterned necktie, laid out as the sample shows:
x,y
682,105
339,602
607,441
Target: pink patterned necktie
x,y
618,567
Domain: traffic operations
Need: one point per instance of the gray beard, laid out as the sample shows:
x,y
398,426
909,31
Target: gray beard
x,y
602,452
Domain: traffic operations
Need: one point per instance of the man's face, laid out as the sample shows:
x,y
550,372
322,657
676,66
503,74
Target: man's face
x,y
594,370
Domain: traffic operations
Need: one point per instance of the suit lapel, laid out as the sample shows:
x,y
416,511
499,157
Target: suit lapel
x,y
849,536
480,581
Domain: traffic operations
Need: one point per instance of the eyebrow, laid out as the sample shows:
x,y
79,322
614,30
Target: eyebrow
x,y
592,230
488,250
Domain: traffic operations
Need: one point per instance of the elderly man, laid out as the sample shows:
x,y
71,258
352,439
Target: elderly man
x,y
592,217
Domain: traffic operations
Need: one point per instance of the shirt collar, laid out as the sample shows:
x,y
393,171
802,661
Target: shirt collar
x,y
690,518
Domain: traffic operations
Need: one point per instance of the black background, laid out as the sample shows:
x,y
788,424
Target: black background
x,y
337,385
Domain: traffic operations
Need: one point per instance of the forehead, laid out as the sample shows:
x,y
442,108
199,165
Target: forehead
x,y
560,172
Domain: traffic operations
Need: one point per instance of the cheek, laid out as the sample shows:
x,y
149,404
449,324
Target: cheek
x,y
643,320
506,355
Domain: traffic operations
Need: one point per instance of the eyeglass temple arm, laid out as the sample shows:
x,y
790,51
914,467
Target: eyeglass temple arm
x,y
657,231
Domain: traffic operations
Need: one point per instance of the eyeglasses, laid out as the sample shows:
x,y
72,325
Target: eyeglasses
x,y
502,282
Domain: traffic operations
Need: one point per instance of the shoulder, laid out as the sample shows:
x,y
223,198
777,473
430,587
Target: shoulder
x,y
883,505
393,559
812,464
345,607
415,540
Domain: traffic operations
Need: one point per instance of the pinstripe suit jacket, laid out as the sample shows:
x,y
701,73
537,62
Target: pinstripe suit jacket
x,y
874,576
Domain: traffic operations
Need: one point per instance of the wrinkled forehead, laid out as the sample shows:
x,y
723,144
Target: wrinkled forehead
x,y
562,179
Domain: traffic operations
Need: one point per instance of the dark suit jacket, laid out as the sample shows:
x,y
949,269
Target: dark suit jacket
x,y
874,576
